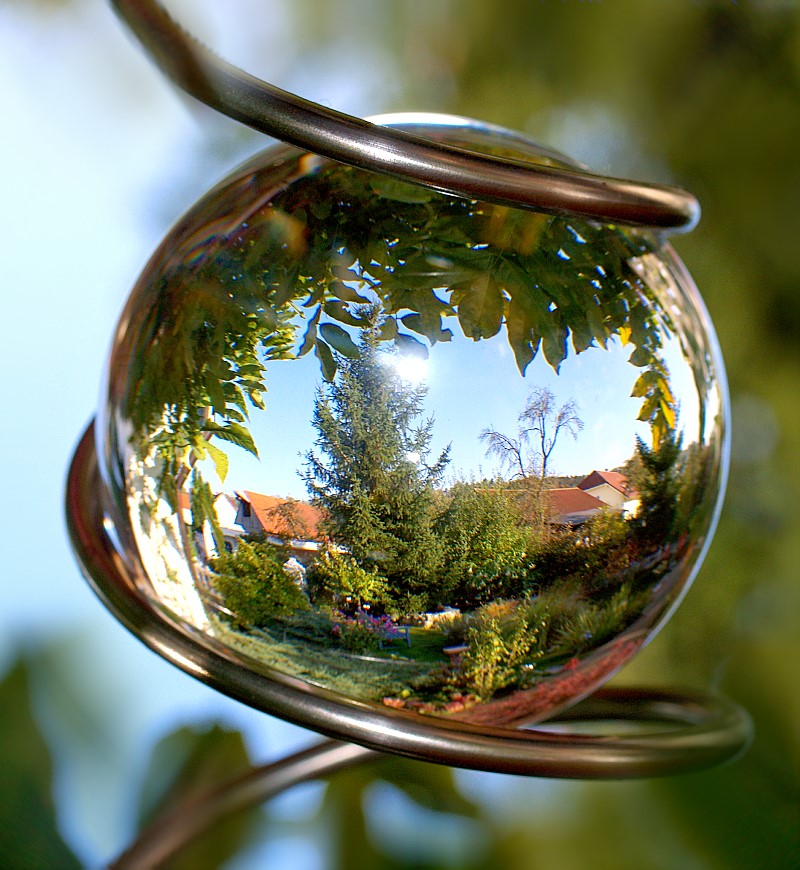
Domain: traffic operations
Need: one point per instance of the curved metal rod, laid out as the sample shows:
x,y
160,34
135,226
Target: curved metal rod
x,y
391,152
710,730
177,828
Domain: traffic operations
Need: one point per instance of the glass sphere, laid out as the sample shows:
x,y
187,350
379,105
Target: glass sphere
x,y
420,451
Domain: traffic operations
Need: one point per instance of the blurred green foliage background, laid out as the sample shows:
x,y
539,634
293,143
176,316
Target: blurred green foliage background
x,y
701,94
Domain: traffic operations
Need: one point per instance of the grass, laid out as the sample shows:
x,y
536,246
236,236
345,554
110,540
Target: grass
x,y
352,676
426,646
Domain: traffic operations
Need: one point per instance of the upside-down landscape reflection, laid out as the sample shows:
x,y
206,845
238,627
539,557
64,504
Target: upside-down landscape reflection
x,y
491,441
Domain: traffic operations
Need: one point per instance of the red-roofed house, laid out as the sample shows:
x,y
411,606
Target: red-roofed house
x,y
611,487
571,506
281,520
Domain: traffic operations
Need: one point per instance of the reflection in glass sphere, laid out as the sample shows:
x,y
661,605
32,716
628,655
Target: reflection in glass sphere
x,y
444,456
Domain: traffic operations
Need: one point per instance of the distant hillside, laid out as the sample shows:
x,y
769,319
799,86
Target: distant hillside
x,y
560,482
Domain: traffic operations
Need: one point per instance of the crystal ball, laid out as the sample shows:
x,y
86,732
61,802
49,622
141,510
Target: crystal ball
x,y
424,452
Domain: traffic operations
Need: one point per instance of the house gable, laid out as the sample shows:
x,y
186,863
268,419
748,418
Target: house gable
x,y
283,518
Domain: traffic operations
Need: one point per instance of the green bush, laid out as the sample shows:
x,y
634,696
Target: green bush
x,y
253,584
485,545
454,628
596,554
501,643
362,632
337,577
595,623
408,608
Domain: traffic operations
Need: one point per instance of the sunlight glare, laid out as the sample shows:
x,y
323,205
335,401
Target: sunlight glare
x,y
411,368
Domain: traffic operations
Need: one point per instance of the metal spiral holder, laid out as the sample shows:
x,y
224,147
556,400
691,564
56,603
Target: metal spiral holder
x,y
698,731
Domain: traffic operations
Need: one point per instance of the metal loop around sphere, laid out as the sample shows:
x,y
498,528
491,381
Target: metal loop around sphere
x,y
702,732
396,153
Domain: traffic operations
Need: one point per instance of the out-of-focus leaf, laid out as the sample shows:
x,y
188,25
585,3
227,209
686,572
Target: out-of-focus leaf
x,y
480,307
408,344
185,765
29,836
431,786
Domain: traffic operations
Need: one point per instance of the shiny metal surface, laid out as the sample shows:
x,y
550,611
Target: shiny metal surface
x,y
713,730
396,153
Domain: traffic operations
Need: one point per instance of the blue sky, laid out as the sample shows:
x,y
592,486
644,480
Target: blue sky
x,y
470,386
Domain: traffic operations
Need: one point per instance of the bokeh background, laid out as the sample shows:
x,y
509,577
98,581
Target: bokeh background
x,y
98,156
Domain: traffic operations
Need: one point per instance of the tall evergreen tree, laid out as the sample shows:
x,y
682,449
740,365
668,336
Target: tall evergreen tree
x,y
656,476
371,470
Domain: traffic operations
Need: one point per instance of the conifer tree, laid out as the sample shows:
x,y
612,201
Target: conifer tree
x,y
657,480
370,469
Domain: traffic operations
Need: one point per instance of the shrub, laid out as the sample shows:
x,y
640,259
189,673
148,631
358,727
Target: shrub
x,y
500,646
454,629
253,584
337,576
484,542
596,623
596,554
362,632
408,609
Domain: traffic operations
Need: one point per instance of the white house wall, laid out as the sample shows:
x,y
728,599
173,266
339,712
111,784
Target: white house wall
x,y
608,495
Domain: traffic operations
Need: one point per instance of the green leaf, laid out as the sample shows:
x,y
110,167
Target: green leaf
x,y
249,370
184,766
220,460
346,294
29,835
430,327
554,345
339,340
431,786
582,337
388,329
235,433
521,337
339,311
640,357
648,408
643,385
596,323
216,394
480,305
668,413
326,360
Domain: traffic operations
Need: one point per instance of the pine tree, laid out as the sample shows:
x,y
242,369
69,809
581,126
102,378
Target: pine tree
x,y
370,469
657,481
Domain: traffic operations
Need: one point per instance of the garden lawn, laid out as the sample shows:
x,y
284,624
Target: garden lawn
x,y
426,646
